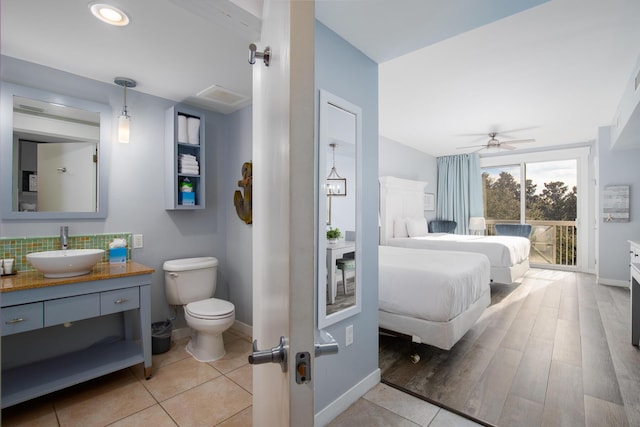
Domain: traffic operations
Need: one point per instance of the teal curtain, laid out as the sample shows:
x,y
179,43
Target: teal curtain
x,y
459,189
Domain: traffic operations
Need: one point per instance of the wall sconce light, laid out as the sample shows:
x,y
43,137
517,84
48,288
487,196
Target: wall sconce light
x,y
336,185
477,225
124,120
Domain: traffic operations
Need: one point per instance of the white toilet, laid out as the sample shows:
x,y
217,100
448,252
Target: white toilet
x,y
191,282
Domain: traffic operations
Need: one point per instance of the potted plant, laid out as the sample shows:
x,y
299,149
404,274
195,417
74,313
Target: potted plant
x,y
333,234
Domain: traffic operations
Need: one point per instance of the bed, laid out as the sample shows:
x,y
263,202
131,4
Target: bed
x,y
433,296
401,203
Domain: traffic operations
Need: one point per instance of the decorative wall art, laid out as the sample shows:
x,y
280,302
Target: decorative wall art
x,y
615,203
242,199
429,202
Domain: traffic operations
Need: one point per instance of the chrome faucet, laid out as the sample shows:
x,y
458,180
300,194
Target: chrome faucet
x,y
64,237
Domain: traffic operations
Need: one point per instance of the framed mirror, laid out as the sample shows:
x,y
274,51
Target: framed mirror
x,y
339,201
56,149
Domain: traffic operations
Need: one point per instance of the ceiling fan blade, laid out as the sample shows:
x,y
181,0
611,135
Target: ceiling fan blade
x,y
518,141
506,147
473,146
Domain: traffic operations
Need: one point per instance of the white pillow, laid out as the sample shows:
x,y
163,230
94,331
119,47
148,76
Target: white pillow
x,y
400,228
416,227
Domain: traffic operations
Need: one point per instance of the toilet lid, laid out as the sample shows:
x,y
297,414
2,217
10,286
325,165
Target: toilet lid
x,y
211,308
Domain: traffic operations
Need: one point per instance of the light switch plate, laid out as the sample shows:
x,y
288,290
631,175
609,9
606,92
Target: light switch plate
x,y
138,241
349,335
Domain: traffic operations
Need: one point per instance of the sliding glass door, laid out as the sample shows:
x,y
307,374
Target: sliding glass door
x,y
549,200
550,207
501,195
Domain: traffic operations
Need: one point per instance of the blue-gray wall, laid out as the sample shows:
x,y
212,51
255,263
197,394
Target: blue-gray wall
x,y
349,74
617,167
136,188
406,162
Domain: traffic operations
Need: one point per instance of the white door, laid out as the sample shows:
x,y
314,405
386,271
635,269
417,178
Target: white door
x,y
284,213
67,177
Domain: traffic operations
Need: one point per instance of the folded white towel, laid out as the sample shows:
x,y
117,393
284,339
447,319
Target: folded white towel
x,y
182,129
188,162
193,132
186,156
193,171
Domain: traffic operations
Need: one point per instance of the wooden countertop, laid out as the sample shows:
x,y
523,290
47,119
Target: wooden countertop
x,y
34,279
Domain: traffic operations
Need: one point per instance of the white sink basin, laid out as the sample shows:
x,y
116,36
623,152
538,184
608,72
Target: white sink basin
x,y
66,262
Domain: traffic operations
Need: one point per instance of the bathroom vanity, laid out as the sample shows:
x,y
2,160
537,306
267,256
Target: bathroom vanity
x,y
29,301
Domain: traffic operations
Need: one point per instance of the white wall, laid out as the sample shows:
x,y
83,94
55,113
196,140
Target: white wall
x,y
625,130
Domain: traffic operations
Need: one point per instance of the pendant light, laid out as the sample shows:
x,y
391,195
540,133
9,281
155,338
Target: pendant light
x,y
336,185
124,121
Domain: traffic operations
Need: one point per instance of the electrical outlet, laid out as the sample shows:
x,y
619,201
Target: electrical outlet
x,y
138,242
348,333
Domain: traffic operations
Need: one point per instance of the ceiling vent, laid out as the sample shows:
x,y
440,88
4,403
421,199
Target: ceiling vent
x,y
222,96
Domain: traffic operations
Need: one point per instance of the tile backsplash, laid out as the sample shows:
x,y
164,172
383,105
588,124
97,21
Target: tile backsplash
x,y
18,247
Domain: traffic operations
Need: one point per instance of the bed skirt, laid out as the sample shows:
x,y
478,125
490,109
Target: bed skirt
x,y
438,334
508,275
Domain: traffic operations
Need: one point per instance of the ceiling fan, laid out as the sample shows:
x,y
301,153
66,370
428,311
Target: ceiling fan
x,y
494,143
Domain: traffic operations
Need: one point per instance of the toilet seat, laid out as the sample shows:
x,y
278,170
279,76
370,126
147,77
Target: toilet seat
x,y
212,308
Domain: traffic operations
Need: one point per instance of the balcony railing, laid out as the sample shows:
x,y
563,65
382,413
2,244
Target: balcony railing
x,y
552,242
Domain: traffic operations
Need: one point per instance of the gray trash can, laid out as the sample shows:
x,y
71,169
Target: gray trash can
x,y
161,337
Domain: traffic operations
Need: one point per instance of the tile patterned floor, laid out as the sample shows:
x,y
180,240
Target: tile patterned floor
x,y
183,392
172,397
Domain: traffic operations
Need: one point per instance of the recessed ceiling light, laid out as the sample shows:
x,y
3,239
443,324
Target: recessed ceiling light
x,y
109,14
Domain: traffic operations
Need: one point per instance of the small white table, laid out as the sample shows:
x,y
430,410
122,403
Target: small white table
x,y
336,251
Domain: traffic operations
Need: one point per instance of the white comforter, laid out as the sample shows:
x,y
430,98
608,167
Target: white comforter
x,y
430,285
503,251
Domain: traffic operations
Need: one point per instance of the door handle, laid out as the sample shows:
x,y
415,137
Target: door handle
x,y
276,354
328,345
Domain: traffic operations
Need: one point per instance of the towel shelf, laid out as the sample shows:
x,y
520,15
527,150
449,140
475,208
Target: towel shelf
x,y
184,162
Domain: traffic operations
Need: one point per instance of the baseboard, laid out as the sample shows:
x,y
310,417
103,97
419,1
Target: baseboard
x,y
243,328
338,406
613,282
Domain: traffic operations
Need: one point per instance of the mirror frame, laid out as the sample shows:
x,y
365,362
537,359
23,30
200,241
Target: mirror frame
x,y
324,320
8,91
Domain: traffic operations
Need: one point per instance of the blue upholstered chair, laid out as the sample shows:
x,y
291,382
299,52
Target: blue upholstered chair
x,y
442,226
522,230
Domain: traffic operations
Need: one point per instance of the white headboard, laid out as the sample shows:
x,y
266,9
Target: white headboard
x,y
399,198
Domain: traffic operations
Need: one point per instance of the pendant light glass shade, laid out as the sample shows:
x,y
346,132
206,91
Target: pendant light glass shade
x,y
124,121
336,185
123,128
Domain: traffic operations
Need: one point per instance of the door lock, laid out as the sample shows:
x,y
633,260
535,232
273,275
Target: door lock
x,y
274,355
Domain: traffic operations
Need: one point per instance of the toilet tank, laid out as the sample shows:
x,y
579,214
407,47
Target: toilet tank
x,y
190,279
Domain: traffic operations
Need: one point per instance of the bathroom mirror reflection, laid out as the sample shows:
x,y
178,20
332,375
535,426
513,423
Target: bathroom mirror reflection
x,y
340,124
54,147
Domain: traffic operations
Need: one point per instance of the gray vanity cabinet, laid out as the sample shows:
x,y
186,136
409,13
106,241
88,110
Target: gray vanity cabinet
x,y
30,309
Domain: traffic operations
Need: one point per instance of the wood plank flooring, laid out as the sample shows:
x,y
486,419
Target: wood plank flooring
x,y
554,350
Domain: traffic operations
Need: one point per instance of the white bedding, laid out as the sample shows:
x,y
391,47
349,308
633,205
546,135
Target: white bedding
x,y
502,251
430,285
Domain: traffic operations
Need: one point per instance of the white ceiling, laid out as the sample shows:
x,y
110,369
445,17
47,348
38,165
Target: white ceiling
x,y
556,70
